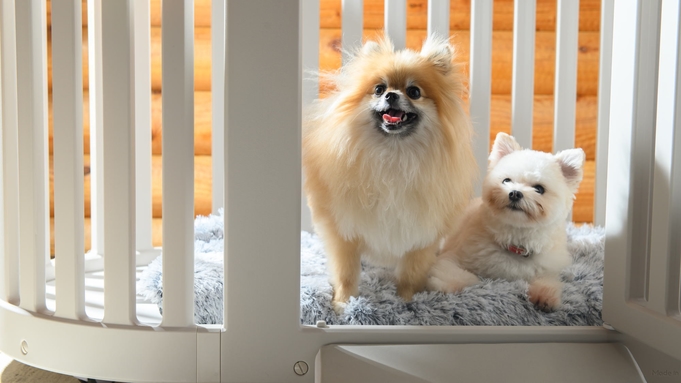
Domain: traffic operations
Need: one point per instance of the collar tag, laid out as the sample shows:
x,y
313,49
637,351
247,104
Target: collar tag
x,y
518,250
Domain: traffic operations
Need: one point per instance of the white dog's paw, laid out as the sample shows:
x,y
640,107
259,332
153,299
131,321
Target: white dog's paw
x,y
448,277
545,294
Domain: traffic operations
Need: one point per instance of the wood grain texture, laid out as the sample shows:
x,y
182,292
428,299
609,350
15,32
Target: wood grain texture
x,y
582,211
201,12
156,234
202,58
417,17
17,372
330,17
459,14
330,57
203,184
502,57
585,137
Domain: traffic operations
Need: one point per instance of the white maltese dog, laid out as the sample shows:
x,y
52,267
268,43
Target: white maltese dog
x,y
517,229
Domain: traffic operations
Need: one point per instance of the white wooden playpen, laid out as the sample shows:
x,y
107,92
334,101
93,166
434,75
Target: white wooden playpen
x,y
260,51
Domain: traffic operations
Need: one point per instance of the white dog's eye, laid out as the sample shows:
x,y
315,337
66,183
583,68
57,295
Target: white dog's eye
x,y
506,180
379,89
539,189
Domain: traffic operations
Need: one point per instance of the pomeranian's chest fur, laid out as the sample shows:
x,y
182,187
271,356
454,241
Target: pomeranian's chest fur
x,y
389,208
394,198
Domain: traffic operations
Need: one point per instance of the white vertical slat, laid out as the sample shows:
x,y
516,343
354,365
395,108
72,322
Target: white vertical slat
x,y
395,23
10,155
522,101
217,25
119,162
94,30
622,113
67,91
665,252
142,46
480,80
34,227
565,89
438,18
352,27
178,162
643,145
603,110
262,158
623,307
310,51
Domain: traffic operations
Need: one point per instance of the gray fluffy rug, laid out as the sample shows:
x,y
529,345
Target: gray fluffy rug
x,y
493,302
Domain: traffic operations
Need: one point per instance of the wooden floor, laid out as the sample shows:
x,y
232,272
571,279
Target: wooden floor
x,y
16,372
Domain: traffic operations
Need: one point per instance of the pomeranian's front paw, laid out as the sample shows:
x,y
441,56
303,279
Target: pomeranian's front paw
x,y
448,277
545,294
341,297
339,306
405,292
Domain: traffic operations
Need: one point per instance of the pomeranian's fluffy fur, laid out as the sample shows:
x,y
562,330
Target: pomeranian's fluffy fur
x,y
388,163
517,230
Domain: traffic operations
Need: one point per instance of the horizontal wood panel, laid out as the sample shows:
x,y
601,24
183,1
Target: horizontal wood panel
x,y
502,57
156,234
201,12
417,14
202,59
202,123
460,14
542,137
330,58
203,183
585,131
582,212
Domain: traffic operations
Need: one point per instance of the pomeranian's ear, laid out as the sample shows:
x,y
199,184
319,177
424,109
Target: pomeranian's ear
x,y
503,145
439,52
571,163
371,47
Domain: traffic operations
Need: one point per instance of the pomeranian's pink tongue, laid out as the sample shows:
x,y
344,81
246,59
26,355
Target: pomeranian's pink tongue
x,y
393,116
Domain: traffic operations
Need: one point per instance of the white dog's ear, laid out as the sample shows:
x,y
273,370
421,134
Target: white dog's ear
x,y
439,52
571,163
503,145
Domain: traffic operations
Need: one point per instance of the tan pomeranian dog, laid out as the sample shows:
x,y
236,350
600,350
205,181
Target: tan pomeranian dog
x,y
388,163
517,230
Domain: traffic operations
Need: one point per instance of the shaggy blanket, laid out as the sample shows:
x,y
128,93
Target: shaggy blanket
x,y
493,302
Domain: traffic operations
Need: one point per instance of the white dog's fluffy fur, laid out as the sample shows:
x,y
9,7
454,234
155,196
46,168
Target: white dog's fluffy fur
x,y
517,230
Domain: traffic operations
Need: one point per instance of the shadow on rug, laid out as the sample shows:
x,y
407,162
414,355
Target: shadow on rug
x,y
493,302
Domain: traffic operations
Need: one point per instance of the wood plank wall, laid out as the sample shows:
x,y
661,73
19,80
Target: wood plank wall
x,y
330,33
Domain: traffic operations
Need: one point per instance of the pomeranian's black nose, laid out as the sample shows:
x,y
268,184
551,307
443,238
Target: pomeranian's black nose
x,y
515,195
391,97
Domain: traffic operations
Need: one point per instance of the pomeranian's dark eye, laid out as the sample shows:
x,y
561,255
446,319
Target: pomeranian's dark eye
x,y
414,93
379,89
506,180
539,189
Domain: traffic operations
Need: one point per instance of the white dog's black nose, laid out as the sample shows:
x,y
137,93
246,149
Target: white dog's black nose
x,y
515,195
392,97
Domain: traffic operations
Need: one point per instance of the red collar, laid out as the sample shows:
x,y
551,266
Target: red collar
x,y
518,250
